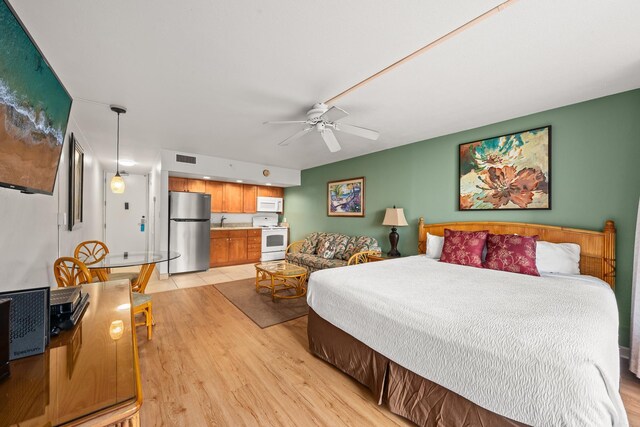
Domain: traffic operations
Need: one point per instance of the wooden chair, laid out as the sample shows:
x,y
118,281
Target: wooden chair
x,y
70,272
294,247
94,251
361,257
91,251
142,304
139,284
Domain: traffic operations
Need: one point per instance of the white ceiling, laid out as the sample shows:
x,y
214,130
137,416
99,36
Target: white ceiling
x,y
201,76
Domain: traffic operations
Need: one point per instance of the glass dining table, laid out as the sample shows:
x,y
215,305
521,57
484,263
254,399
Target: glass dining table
x,y
147,261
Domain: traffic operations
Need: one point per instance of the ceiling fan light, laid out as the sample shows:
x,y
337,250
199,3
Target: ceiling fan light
x,y
117,184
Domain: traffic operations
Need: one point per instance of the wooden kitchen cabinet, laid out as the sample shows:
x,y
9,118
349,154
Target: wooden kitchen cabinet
x,y
233,247
238,249
232,197
218,251
178,184
214,189
196,186
268,191
250,192
186,184
226,197
254,245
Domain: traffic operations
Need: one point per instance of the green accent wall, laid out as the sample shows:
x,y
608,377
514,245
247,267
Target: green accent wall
x,y
595,176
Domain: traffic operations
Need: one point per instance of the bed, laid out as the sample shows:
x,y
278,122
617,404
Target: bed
x,y
448,345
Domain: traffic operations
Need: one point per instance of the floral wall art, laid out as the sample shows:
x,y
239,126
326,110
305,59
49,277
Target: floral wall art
x,y
346,197
506,172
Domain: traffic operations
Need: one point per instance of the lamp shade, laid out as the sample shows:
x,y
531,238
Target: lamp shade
x,y
394,217
117,184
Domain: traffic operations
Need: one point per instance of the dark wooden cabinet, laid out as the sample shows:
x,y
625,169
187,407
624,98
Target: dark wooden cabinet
x,y
250,192
232,247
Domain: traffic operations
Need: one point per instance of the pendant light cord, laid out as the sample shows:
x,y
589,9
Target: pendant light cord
x,y
118,148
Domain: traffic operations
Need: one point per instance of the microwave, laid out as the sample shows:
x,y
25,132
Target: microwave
x,y
269,204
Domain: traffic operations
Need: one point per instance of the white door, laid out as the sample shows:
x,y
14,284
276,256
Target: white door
x,y
125,213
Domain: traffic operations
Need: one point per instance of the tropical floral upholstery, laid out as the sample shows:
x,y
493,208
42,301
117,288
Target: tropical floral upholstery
x,y
310,243
326,248
314,262
341,246
359,244
317,246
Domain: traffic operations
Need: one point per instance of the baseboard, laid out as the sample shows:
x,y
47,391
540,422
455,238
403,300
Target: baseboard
x,y
625,352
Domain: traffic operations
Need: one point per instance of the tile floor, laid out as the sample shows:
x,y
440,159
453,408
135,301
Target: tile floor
x,y
191,280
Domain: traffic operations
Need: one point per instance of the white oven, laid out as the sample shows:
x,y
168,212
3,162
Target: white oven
x,y
269,204
274,243
274,237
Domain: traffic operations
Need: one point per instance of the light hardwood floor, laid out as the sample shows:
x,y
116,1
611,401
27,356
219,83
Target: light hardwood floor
x,y
630,391
210,365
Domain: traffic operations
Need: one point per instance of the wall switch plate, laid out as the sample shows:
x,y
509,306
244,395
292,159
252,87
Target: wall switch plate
x,y
62,218
126,206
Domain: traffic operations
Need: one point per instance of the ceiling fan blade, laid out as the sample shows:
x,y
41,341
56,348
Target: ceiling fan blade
x,y
283,122
333,114
330,140
357,130
295,136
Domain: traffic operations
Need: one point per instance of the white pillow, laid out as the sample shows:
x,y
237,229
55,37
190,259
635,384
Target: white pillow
x,y
434,246
563,258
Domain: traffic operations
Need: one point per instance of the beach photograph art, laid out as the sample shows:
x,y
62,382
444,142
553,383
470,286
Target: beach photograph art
x,y
346,197
506,172
34,111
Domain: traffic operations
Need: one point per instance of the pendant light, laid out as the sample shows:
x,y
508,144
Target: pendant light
x,y
117,183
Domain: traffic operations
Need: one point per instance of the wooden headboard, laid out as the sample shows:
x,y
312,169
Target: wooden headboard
x,y
597,248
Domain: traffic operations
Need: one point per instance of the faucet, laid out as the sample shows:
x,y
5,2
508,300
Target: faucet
x,y
222,221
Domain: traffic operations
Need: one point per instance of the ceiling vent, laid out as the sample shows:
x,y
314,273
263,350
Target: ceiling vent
x,y
185,159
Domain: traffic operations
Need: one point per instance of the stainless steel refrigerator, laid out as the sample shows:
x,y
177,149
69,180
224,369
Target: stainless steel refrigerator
x,y
189,227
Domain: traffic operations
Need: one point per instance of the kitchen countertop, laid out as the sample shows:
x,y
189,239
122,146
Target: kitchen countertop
x,y
233,227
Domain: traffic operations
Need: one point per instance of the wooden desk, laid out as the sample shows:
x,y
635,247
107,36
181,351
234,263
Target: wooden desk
x,y
87,376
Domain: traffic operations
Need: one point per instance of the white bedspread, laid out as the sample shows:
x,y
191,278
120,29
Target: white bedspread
x,y
539,350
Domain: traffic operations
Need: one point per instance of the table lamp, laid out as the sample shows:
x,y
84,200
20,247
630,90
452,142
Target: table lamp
x,y
395,218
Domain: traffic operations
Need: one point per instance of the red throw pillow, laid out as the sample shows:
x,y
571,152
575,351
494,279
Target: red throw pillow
x,y
510,252
463,247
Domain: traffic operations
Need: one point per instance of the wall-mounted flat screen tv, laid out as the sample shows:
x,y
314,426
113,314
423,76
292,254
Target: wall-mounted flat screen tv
x,y
34,111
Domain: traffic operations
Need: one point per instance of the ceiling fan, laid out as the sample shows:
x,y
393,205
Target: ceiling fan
x,y
324,119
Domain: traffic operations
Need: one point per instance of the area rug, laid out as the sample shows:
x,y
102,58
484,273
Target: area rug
x,y
258,306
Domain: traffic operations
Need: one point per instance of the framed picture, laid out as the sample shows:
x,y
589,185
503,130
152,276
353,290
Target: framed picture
x,y
508,172
76,183
346,197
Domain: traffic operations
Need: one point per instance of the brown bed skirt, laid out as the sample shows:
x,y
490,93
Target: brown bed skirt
x,y
407,394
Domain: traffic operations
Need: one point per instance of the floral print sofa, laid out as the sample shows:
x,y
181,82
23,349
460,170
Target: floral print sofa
x,y
329,250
